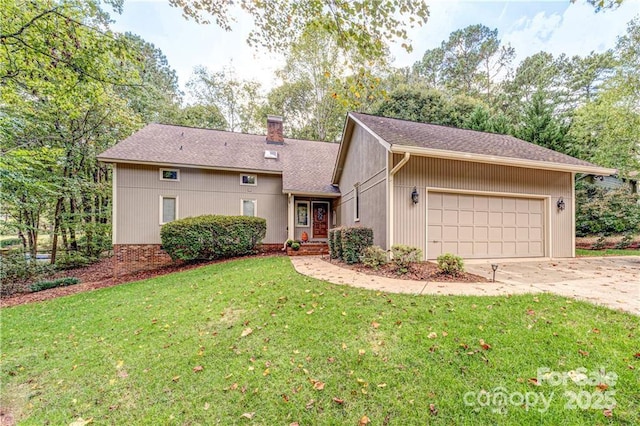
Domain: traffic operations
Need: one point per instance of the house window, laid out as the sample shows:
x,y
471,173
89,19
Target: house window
x,y
356,202
248,207
251,180
168,209
302,214
170,174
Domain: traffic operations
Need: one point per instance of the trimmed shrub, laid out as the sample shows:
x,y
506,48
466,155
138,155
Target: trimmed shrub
x,y
374,257
289,242
15,266
450,264
60,282
295,246
335,243
354,241
10,242
403,256
600,243
212,237
73,260
625,242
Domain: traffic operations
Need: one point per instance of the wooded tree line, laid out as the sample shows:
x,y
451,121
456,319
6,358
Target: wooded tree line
x,y
71,87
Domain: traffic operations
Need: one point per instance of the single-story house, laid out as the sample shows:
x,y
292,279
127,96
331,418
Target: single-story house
x,y
442,189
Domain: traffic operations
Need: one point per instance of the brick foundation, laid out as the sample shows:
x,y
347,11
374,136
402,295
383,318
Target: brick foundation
x,y
128,258
309,249
271,248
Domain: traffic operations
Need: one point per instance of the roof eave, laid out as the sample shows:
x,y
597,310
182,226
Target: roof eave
x,y
507,161
301,193
188,166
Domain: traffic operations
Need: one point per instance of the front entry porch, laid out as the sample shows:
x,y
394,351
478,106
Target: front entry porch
x,y
309,220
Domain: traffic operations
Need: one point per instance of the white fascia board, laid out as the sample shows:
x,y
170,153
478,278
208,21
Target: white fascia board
x,y
506,161
189,166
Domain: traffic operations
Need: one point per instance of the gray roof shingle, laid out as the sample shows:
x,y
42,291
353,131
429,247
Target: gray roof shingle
x,y
433,136
306,166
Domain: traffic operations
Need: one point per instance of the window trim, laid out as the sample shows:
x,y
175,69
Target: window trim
x,y
356,202
255,206
175,212
177,179
308,224
255,177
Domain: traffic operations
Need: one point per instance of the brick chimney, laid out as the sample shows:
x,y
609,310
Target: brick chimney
x,y
274,130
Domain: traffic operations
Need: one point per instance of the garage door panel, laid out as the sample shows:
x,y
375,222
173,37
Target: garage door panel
x,y
450,216
495,219
480,218
435,216
477,226
466,218
450,201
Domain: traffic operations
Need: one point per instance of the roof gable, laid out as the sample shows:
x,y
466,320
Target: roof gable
x,y
468,145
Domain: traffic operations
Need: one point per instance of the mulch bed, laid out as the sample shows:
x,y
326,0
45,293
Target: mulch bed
x,y
423,271
100,275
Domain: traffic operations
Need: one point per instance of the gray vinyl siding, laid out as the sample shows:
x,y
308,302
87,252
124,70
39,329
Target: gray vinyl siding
x,y
424,172
198,192
365,163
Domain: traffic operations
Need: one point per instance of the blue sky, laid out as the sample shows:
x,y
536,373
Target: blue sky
x,y
556,26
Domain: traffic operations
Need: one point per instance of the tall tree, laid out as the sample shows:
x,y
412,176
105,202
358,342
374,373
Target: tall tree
x,y
365,25
539,126
234,98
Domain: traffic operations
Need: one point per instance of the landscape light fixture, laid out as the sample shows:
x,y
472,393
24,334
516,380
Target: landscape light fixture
x,y
414,195
560,204
494,267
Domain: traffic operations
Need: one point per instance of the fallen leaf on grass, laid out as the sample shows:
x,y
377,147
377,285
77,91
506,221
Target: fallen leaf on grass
x,y
310,312
382,385
364,420
484,345
81,422
317,384
596,331
248,415
433,410
607,413
583,353
247,331
375,324
294,424
206,406
309,405
602,386
432,335
175,378
534,381
338,400
198,368
637,355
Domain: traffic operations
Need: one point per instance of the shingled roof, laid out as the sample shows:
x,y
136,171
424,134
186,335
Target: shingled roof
x,y
306,166
409,134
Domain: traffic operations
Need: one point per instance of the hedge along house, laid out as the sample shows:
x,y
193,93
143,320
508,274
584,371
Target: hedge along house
x,y
442,189
164,172
449,190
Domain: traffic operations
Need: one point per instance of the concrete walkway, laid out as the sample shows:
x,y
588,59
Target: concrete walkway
x,y
610,281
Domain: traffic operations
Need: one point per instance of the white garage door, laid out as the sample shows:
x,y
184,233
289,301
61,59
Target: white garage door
x,y
479,226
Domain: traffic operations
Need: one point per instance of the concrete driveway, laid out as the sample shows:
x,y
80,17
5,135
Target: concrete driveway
x,y
609,281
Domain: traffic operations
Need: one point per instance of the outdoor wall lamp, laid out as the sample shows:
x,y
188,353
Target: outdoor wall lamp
x,y
560,204
414,195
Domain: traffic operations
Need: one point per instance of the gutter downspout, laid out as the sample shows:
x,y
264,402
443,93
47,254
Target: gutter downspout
x,y
392,173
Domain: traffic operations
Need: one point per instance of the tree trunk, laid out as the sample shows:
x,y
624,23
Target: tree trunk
x,y
56,228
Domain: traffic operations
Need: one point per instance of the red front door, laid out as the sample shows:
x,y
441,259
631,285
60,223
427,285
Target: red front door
x,y
320,219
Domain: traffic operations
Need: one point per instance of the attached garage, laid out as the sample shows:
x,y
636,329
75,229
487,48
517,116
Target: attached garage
x,y
485,226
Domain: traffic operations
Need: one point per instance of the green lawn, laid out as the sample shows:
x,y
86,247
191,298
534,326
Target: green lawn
x,y
171,350
607,252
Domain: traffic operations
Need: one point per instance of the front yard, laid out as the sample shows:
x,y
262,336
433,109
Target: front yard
x,y
253,342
